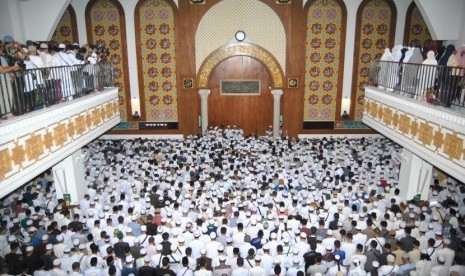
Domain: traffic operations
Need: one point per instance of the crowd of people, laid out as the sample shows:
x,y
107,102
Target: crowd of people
x,y
436,75
38,73
225,204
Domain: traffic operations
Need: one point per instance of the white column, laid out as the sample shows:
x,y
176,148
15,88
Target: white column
x,y
69,176
276,110
415,176
204,108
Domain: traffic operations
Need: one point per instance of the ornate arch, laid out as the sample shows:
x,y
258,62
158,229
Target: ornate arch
x,y
105,24
251,50
376,25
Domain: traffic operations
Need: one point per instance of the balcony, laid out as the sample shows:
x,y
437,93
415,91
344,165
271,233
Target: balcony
x,y
421,107
63,115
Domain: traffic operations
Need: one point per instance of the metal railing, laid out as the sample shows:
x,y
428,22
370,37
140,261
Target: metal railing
x,y
24,91
440,85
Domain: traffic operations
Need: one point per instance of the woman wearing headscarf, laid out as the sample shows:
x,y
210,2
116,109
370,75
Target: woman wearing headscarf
x,y
445,93
427,74
458,74
385,65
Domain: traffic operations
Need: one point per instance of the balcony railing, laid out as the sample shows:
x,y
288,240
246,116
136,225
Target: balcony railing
x,y
27,90
440,85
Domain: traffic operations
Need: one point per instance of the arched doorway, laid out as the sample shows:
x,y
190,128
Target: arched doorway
x,y
251,112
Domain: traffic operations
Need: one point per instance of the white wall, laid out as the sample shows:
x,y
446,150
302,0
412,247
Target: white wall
x,y
11,22
443,18
42,18
39,26
79,7
129,7
352,7
401,6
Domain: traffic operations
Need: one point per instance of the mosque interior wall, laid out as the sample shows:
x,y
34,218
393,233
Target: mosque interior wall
x,y
185,34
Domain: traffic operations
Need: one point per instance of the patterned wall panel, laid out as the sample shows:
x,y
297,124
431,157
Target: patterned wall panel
x,y
444,141
375,32
19,154
323,60
416,30
106,27
66,30
219,24
157,61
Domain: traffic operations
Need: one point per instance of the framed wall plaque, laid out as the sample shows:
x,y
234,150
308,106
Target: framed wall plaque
x,y
293,83
240,87
188,83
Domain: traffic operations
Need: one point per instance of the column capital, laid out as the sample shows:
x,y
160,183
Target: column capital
x,y
277,93
204,93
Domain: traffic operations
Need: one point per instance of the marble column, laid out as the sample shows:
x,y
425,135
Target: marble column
x,y
414,177
204,108
69,174
276,111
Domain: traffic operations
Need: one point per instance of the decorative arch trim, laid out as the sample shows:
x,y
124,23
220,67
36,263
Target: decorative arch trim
x,y
251,50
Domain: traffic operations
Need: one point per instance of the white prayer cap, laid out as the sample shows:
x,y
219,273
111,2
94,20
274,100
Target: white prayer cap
x,y
441,259
56,262
129,259
391,258
375,264
203,251
147,259
29,248
49,246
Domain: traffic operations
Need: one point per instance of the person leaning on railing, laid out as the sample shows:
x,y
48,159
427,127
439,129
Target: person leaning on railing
x,y
14,55
6,94
455,60
5,68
